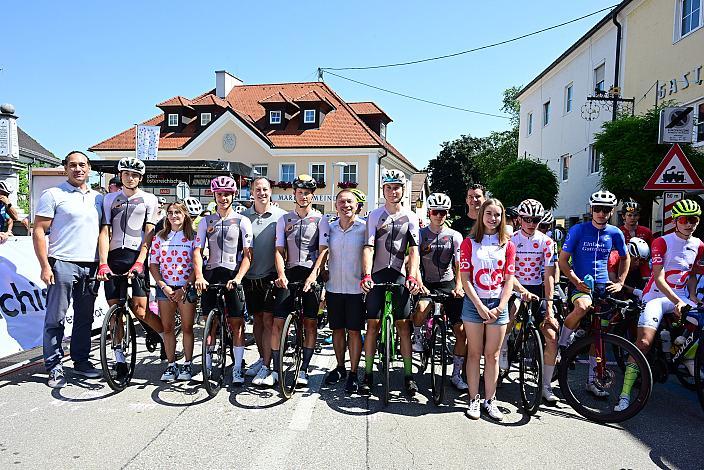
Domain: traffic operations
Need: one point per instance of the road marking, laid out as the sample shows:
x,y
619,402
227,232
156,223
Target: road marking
x,y
304,409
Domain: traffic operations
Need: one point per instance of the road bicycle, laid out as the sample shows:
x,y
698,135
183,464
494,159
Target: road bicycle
x,y
293,338
591,360
436,351
387,340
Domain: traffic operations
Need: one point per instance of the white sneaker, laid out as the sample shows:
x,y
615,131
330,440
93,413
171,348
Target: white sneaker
x,y
548,396
458,382
623,403
491,408
261,375
418,345
302,378
475,408
503,359
254,369
237,377
597,391
271,379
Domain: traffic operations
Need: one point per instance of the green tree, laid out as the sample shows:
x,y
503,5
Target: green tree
x,y
526,178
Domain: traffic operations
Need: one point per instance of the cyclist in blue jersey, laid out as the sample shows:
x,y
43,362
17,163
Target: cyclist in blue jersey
x,y
589,245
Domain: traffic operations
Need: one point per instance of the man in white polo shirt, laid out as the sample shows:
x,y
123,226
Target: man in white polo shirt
x,y
70,214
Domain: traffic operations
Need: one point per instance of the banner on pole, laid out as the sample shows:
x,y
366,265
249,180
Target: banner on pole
x,y
147,142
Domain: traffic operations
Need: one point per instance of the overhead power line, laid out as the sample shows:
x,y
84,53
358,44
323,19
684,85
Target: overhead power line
x,y
414,97
455,54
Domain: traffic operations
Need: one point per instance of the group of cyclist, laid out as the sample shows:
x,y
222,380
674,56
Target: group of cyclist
x,y
487,262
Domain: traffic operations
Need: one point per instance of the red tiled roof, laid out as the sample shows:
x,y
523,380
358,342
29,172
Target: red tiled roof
x,y
210,100
311,97
175,101
277,97
340,128
364,108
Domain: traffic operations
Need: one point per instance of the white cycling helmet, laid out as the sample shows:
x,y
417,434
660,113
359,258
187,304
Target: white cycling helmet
x,y
392,177
439,201
602,198
547,219
193,205
239,209
161,199
132,164
531,208
638,248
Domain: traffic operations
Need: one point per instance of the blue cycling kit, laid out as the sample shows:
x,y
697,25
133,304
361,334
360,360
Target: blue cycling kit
x,y
590,248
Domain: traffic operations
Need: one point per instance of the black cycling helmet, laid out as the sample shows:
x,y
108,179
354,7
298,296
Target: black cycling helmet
x,y
511,212
305,182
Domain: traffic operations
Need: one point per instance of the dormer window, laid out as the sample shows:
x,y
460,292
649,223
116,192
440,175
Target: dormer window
x,y
173,120
382,130
205,118
274,117
309,116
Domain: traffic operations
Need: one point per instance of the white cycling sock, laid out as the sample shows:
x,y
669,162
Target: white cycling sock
x,y
239,354
592,367
564,336
457,364
161,335
547,375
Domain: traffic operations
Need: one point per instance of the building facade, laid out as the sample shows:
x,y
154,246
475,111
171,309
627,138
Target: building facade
x,y
280,130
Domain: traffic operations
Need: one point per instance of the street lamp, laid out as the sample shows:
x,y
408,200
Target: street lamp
x,y
332,186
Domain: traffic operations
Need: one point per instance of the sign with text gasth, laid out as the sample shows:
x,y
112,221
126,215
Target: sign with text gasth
x,y
289,197
675,172
676,125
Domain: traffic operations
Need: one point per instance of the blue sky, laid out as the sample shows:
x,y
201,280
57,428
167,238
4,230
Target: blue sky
x,y
81,71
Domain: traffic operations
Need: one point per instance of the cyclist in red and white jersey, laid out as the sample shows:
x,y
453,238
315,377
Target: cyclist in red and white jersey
x,y
638,269
676,256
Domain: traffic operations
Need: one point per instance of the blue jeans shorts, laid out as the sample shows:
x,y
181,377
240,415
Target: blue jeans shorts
x,y
160,293
471,315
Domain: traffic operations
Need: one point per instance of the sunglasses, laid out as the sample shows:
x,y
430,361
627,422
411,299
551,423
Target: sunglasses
x,y
601,209
440,212
688,219
531,220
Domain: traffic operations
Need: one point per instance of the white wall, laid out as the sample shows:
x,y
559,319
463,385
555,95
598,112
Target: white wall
x,y
569,133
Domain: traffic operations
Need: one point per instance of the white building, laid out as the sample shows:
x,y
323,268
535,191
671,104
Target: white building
x,y
553,128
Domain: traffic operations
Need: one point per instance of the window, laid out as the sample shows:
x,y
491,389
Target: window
x,y
700,124
568,98
309,116
317,171
173,120
599,77
262,170
594,160
546,113
349,173
382,130
690,16
205,119
530,123
288,172
565,167
274,117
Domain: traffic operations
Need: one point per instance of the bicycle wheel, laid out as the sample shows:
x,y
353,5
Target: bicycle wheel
x,y
386,353
214,352
290,355
118,332
698,374
530,370
438,361
575,375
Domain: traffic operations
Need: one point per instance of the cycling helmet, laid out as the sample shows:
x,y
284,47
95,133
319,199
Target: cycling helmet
x,y
305,182
393,177
602,198
132,164
193,205
161,199
240,209
511,212
685,207
547,219
630,206
223,184
212,206
439,201
3,188
361,197
638,248
531,208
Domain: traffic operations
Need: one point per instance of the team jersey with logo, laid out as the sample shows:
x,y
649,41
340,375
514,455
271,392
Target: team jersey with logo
x,y
174,256
679,259
488,264
299,235
533,255
226,237
128,217
437,251
590,249
391,235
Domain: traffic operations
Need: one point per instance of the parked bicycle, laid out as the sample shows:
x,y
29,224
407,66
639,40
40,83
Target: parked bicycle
x,y
436,352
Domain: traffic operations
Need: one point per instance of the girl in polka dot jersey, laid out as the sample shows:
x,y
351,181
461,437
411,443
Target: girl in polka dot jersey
x,y
171,266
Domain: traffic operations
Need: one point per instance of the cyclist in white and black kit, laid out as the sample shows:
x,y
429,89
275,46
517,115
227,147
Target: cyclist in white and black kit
x,y
439,265
297,237
129,217
391,231
228,236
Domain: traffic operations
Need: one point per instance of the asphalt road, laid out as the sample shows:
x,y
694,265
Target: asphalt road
x,y
157,425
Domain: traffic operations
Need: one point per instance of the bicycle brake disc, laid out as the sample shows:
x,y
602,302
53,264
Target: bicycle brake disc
x,y
607,380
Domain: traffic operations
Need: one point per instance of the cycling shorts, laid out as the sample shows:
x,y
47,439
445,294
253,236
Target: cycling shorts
x,y
283,301
574,294
345,311
401,298
453,305
654,310
120,260
259,294
234,299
